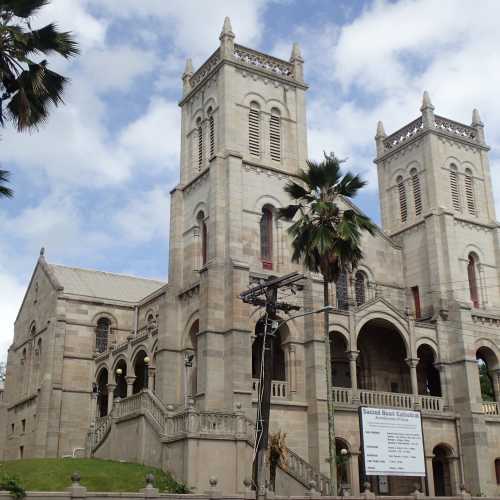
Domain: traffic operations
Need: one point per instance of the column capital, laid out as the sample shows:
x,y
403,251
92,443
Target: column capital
x,y
353,355
412,362
111,387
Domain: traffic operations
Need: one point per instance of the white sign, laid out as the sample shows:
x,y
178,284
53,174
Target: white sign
x,y
392,442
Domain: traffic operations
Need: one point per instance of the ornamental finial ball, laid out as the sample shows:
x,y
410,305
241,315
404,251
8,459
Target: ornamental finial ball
x,y
213,481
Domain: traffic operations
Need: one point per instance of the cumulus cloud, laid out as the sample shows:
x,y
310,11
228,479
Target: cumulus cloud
x,y
9,305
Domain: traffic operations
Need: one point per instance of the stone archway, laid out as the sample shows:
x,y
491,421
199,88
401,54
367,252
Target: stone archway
x,y
141,365
102,392
120,379
382,358
441,470
341,376
428,378
489,374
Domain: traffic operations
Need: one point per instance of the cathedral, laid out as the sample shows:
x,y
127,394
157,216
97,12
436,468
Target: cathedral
x,y
125,368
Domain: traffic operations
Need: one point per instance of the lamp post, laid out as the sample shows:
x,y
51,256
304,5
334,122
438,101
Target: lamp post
x,y
119,373
264,400
146,373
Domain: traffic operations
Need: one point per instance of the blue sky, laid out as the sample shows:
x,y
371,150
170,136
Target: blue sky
x,y
92,186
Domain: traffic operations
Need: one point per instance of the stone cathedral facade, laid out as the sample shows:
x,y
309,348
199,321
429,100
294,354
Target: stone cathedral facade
x,y
164,374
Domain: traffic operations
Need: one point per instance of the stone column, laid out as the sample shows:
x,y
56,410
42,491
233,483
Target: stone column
x,y
130,384
292,383
430,475
353,356
111,390
441,368
151,378
412,363
354,474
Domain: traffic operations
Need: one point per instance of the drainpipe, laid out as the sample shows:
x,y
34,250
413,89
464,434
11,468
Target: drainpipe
x,y
460,453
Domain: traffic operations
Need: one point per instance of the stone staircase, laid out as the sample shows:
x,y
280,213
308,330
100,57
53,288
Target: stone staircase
x,y
172,425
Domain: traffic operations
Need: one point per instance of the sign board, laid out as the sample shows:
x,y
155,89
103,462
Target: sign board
x,y
393,444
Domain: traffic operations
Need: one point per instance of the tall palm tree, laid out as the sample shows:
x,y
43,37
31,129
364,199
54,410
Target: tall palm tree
x,y
28,86
326,238
4,190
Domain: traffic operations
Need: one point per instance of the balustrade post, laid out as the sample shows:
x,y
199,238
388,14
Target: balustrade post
x,y
412,363
130,384
353,356
111,395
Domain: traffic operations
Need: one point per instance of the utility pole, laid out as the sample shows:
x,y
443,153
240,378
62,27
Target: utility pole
x,y
266,295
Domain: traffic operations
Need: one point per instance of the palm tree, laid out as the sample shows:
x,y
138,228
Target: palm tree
x,y
326,238
4,190
28,87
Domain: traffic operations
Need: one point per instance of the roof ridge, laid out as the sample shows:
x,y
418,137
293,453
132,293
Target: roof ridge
x,y
123,275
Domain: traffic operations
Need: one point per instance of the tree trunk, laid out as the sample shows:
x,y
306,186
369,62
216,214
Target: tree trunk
x,y
329,394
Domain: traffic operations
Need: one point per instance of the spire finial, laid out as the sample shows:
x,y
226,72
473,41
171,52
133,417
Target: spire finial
x,y
42,252
227,29
476,119
188,70
426,101
296,53
380,130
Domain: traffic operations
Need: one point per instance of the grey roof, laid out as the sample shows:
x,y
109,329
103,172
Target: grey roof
x,y
99,284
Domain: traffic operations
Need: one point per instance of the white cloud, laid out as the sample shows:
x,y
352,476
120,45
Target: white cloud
x,y
145,217
153,139
12,295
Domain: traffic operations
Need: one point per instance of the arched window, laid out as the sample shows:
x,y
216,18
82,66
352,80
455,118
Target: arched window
x,y
472,277
403,208
266,237
211,131
469,192
341,292
254,129
275,135
200,144
33,329
455,193
497,469
38,354
204,236
151,322
360,287
102,334
417,193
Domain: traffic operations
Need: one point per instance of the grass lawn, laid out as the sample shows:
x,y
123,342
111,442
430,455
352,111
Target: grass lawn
x,y
52,474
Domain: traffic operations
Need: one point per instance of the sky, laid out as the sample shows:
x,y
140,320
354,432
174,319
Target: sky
x,y
92,186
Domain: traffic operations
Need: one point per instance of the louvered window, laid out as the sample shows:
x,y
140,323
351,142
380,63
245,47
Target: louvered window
x,y
266,237
341,291
360,288
275,135
200,148
211,124
417,193
472,277
403,208
254,130
469,192
455,195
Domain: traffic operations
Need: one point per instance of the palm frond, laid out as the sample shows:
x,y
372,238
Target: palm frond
x,y
22,8
48,39
4,190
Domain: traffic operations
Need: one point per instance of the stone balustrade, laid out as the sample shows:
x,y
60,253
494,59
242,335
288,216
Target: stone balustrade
x,y
404,134
491,408
279,389
99,431
263,61
344,396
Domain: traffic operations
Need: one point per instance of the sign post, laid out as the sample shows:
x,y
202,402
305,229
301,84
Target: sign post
x,y
393,443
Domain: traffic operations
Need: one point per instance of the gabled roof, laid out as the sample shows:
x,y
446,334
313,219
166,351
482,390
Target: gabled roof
x,y
103,285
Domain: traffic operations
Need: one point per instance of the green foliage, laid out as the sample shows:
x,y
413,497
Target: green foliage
x,y
28,86
326,236
487,391
97,475
11,484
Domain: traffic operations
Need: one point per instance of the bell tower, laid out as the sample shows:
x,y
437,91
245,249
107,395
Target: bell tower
x,y
243,133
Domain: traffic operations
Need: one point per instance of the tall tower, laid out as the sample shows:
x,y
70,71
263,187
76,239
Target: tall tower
x,y
243,134
437,203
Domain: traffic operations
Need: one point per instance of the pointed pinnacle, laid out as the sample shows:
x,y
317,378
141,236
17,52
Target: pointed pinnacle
x,y
227,29
476,119
380,130
426,101
42,252
296,54
188,70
